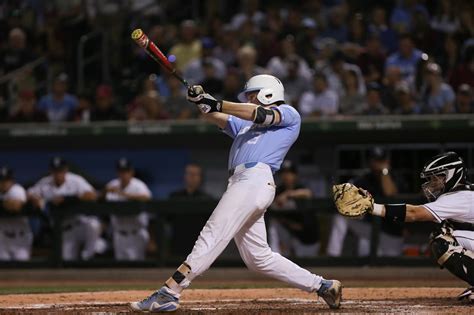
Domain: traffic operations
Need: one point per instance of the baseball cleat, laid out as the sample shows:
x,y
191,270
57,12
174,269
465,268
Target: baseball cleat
x,y
163,300
331,292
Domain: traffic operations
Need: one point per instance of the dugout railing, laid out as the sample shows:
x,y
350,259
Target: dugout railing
x,y
173,214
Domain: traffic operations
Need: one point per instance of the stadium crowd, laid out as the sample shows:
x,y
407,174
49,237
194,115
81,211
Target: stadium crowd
x,y
334,57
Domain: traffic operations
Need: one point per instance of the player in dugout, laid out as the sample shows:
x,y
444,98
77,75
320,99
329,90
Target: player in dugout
x,y
264,128
451,204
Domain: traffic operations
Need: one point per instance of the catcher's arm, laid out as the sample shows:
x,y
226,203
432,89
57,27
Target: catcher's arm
x,y
412,212
352,201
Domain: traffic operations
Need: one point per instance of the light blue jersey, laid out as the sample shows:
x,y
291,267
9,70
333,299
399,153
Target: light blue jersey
x,y
266,144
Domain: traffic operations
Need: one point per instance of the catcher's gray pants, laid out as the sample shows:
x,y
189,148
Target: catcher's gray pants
x,y
239,215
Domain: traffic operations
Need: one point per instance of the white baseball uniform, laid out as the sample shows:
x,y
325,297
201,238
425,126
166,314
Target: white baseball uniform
x,y
16,237
256,153
130,234
78,230
457,206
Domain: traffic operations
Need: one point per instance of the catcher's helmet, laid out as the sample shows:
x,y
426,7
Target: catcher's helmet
x,y
443,173
270,89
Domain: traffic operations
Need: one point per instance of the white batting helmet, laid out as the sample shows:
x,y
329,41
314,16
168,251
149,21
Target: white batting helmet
x,y
270,89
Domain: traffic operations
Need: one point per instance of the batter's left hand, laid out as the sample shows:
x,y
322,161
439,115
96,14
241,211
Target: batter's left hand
x,y
204,101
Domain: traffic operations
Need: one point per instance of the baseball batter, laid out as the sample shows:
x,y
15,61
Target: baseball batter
x,y
130,234
451,205
16,237
263,129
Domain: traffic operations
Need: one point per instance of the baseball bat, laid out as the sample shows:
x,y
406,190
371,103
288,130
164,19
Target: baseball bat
x,y
155,53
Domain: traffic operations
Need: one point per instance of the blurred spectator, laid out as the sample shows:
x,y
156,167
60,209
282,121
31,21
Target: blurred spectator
x,y
83,110
352,102
176,103
16,54
357,30
16,237
148,104
406,101
379,180
268,45
277,64
373,100
233,84
194,72
147,107
337,27
449,57
402,15
307,43
105,107
246,62
438,97
445,20
81,233
295,85
211,83
378,27
249,12
227,46
130,234
464,72
321,101
59,105
421,32
406,58
26,110
295,234
193,180
189,46
336,70
372,59
464,100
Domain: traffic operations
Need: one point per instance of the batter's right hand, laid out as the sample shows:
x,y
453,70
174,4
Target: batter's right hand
x,y
194,93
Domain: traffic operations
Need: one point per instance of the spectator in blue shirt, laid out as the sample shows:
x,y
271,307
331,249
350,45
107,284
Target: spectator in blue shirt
x,y
58,105
438,96
406,58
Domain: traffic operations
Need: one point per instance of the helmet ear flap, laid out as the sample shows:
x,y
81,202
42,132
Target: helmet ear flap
x,y
265,96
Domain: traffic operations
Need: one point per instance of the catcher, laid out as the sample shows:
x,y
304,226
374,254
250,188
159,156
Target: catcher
x,y
451,204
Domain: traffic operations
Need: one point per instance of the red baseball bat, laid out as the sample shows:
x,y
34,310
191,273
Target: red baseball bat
x,y
155,53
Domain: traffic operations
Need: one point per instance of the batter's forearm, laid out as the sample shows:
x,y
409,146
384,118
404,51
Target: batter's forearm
x,y
242,110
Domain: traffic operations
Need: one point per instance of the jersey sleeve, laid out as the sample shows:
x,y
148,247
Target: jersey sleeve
x,y
234,124
141,188
36,188
83,186
451,206
289,115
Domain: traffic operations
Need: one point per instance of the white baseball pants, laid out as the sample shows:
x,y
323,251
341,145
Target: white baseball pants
x,y
239,215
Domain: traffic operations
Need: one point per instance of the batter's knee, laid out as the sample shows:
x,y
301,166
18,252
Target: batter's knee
x,y
259,262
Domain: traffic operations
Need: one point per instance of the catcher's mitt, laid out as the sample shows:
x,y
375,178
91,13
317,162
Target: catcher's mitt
x,y
352,201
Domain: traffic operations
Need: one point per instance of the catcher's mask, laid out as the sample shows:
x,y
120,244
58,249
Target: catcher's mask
x,y
442,174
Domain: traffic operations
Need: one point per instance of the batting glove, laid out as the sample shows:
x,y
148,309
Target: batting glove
x,y
204,101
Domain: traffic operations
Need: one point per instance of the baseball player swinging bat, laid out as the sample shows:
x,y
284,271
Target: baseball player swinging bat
x,y
155,53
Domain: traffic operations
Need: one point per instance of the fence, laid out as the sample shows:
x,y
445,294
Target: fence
x,y
187,218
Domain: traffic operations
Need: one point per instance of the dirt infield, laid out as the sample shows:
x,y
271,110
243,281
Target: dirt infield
x,y
247,301
229,291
